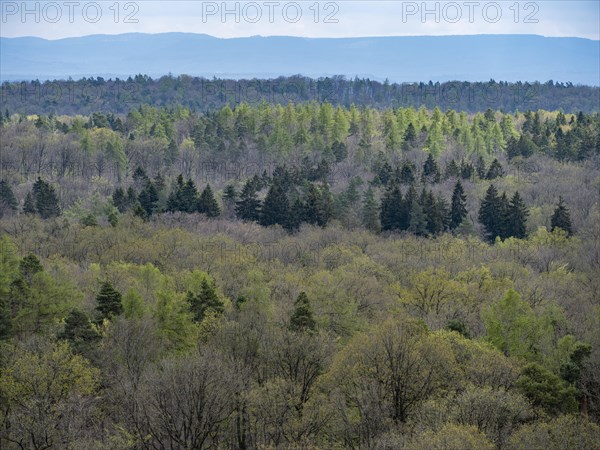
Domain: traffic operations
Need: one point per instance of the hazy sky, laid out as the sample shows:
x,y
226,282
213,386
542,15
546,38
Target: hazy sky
x,y
54,20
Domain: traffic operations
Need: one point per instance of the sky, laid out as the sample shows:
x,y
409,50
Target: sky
x,y
69,18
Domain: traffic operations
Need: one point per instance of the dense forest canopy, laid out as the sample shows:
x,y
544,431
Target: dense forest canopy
x,y
89,95
350,273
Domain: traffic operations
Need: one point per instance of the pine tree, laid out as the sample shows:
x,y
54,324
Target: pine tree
x,y
370,216
318,206
120,200
8,202
46,201
79,332
207,203
430,169
276,207
418,221
391,208
29,205
148,199
490,214
204,301
480,168
175,198
302,318
188,197
452,170
561,218
458,209
410,136
517,217
495,170
109,301
248,206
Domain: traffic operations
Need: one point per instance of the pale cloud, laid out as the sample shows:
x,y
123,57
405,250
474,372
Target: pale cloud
x,y
346,18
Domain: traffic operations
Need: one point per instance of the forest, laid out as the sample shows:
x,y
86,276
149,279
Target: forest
x,y
89,95
312,274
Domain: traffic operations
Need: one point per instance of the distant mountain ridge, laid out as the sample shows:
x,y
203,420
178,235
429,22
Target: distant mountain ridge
x,y
397,58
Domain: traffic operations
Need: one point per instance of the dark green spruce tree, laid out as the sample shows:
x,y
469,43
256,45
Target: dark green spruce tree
x,y
109,301
8,202
517,217
561,218
46,200
276,208
248,206
302,317
370,211
490,213
204,301
207,203
458,208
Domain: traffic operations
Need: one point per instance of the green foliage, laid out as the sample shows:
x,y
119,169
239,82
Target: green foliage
x,y
561,218
511,326
302,317
547,390
205,301
108,301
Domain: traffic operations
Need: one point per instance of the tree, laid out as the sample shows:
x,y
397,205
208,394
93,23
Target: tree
x,y
495,170
47,396
248,206
8,202
46,201
418,221
561,218
79,332
204,301
458,209
546,390
390,214
302,317
276,207
370,211
29,205
148,199
490,214
318,205
207,203
517,217
109,301
511,325
120,200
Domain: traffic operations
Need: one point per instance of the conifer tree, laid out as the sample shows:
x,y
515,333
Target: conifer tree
x,y
452,170
302,318
517,217
207,203
561,218
390,212
46,201
490,213
248,206
79,332
174,200
148,199
370,211
29,205
431,171
189,197
276,207
418,221
495,170
120,200
8,202
204,301
109,301
458,209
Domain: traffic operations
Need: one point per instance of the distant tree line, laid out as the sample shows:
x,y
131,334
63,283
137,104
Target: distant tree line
x,y
88,95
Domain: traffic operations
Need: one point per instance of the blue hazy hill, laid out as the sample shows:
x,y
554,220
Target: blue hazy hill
x,y
400,59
